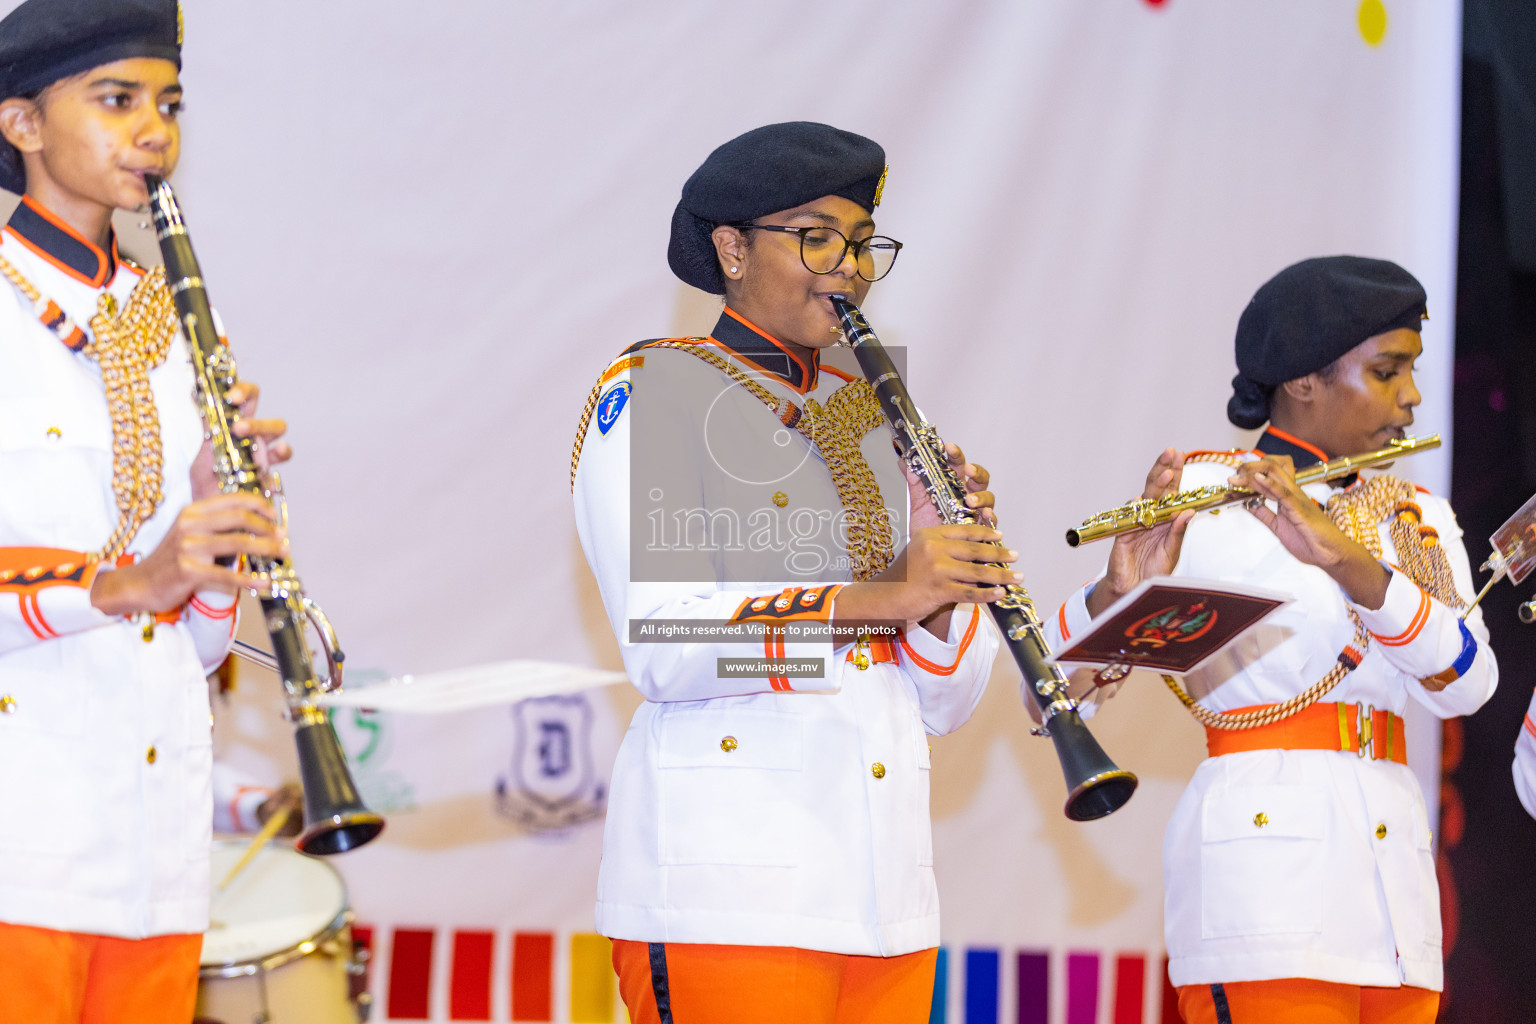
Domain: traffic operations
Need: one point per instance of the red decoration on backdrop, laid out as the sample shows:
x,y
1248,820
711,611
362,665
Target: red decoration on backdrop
x,y
410,974
533,957
469,992
1155,3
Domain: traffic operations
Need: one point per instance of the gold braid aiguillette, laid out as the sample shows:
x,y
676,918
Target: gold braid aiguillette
x,y
836,429
127,346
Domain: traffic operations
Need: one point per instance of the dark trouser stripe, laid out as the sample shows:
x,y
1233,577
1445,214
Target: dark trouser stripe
x,y
1219,997
659,982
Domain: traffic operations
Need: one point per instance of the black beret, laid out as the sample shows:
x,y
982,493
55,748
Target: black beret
x,y
1310,314
43,41
772,168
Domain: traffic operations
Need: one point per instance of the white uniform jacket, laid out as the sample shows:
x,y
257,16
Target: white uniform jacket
x,y
1525,761
105,741
1314,893
745,809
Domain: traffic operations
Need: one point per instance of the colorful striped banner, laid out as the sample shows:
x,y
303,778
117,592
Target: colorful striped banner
x,y
1082,988
593,997
592,979
1130,989
981,986
1034,975
469,991
533,976
410,974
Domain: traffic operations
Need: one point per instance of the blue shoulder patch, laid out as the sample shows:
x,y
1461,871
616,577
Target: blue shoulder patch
x,y
611,405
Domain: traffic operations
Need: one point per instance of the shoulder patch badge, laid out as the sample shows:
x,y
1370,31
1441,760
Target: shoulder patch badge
x,y
611,405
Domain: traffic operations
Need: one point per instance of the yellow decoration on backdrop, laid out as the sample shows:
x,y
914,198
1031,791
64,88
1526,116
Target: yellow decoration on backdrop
x,y
1373,21
592,980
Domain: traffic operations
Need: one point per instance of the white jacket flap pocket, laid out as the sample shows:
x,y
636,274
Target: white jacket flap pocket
x,y
1255,812
730,737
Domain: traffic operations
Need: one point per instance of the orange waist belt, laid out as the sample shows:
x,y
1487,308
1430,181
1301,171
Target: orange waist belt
x,y
1323,726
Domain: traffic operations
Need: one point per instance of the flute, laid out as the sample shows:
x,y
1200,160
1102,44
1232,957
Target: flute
x,y
1145,513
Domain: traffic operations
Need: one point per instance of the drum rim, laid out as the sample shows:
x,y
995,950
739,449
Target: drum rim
x,y
272,961
283,957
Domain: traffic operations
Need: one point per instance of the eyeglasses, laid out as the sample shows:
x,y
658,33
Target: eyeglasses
x,y
823,250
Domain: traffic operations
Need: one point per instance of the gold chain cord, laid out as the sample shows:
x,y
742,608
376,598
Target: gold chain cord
x,y
851,412
1359,513
835,430
127,344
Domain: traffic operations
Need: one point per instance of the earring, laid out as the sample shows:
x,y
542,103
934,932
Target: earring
x,y
734,270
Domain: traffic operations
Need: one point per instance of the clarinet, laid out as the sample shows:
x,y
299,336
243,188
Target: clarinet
x,y
335,819
1095,786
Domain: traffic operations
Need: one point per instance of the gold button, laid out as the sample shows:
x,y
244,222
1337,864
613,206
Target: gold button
x,y
54,433
877,770
1260,820
1381,831
151,755
7,705
728,744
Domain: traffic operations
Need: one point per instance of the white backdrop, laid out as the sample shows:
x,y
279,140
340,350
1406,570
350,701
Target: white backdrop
x,y
428,227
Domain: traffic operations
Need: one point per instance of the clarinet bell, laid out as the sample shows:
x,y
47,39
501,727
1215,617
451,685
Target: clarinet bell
x,y
1096,786
335,819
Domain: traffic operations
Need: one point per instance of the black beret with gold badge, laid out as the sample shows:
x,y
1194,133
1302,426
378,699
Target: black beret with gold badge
x,y
768,169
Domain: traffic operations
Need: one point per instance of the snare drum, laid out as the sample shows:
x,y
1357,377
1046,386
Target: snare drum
x,y
278,949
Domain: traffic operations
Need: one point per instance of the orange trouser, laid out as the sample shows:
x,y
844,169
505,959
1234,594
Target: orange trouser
x,y
52,977
1305,1001
686,983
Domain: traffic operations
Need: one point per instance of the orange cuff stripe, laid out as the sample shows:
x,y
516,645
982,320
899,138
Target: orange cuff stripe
x,y
773,644
37,615
1408,635
928,666
1061,620
26,616
1530,726
213,613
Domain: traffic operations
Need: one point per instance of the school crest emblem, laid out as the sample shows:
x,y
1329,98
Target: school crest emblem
x,y
552,783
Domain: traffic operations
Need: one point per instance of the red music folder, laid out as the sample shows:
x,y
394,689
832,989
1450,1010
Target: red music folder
x,y
1169,624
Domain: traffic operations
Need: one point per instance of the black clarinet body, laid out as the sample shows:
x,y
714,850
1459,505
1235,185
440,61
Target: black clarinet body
x,y
335,819
1096,787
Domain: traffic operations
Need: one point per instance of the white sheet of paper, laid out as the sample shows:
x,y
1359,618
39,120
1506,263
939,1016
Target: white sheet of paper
x,y
502,682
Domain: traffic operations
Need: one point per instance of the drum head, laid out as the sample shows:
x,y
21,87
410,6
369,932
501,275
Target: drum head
x,y
280,900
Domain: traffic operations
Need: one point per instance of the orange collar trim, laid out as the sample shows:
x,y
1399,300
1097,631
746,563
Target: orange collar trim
x,y
39,229
807,373
1322,456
